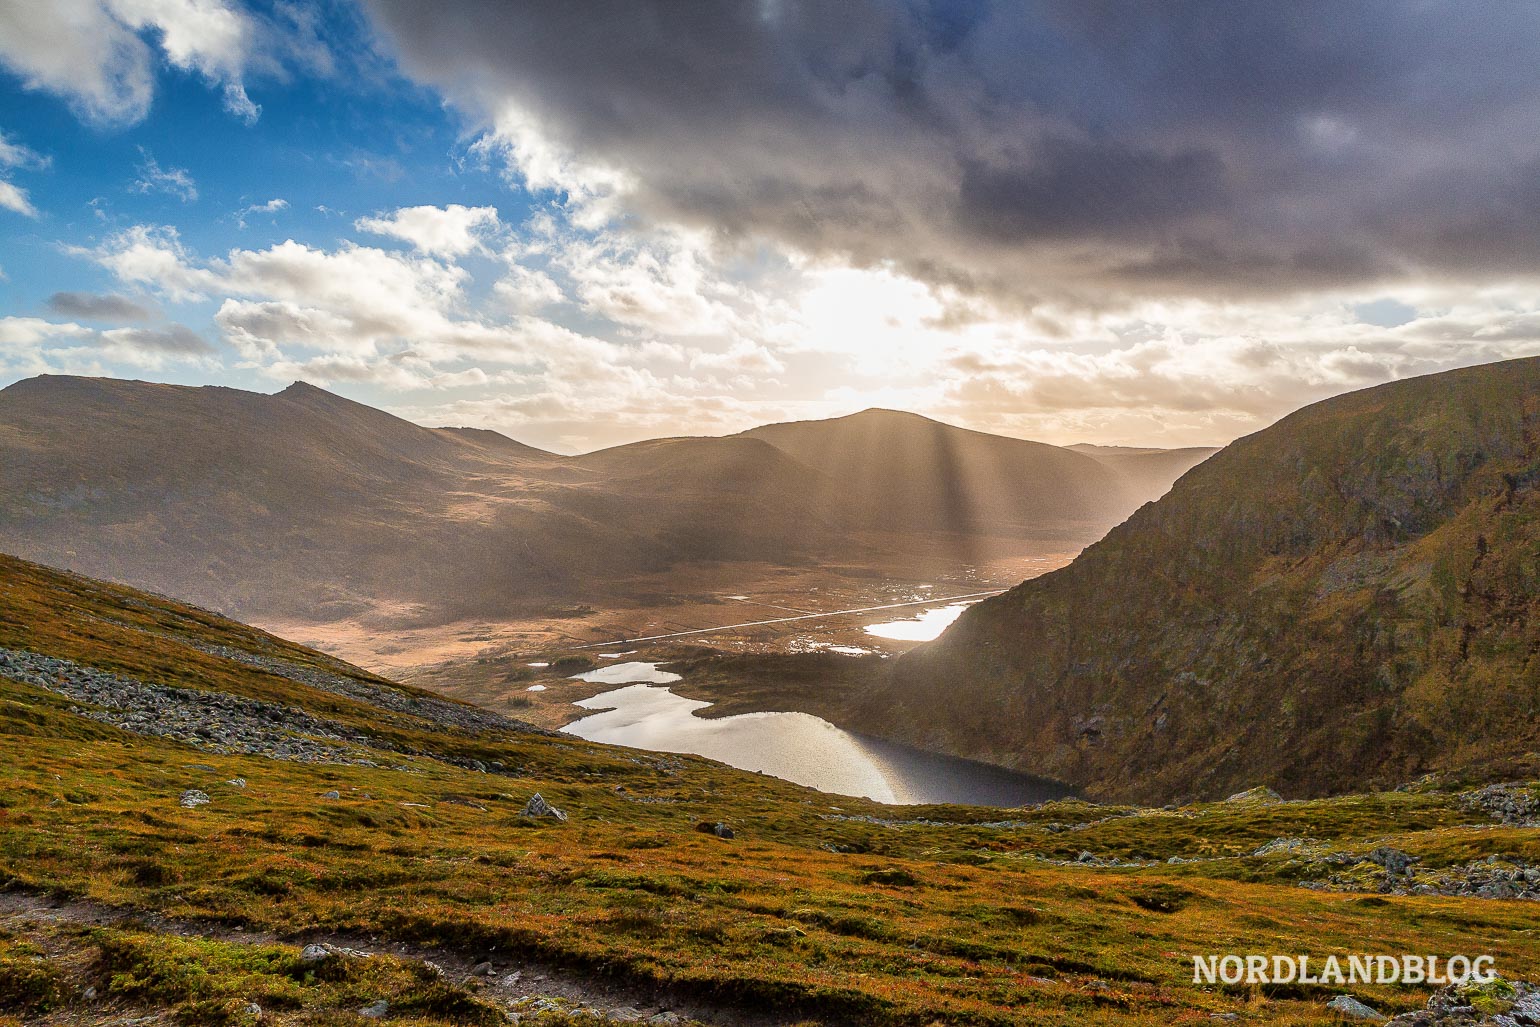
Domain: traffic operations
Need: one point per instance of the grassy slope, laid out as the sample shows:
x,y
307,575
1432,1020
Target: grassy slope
x,y
1342,601
955,922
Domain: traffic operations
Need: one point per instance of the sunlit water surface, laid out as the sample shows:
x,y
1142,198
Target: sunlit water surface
x,y
795,746
921,628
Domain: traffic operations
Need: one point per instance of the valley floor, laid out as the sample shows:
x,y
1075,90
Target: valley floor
x,y
490,662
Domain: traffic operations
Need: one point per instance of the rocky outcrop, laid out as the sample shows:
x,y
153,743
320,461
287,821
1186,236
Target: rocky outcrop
x,y
1497,1003
222,723
440,712
213,721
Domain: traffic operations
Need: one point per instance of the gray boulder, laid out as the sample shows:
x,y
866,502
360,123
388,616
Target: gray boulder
x,y
193,798
538,807
1350,1007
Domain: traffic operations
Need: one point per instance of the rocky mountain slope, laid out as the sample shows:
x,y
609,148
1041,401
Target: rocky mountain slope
x,y
307,506
1346,599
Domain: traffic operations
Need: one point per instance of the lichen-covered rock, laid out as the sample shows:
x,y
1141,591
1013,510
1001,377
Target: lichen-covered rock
x,y
538,807
1393,860
1261,793
193,798
1495,1003
1350,1007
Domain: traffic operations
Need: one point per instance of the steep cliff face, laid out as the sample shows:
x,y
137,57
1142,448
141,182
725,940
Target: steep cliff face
x,y
1346,599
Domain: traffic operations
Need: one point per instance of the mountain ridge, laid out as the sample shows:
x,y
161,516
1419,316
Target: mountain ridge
x,y
1344,599
305,505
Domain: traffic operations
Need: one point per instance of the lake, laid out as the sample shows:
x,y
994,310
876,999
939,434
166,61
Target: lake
x,y
797,747
920,628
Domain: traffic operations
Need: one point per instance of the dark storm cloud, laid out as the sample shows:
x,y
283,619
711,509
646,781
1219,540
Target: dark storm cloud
x,y
176,340
1024,148
92,306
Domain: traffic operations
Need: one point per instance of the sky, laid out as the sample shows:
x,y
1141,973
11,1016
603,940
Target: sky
x,y
586,224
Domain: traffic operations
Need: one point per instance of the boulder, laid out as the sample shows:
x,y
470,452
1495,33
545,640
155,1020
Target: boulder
x,y
1393,860
1349,1007
1261,793
538,807
193,798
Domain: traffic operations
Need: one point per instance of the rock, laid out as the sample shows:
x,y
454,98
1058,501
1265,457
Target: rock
x,y
538,807
1513,804
481,970
1393,860
253,1010
1350,1007
89,994
236,782
722,830
1280,845
313,954
193,798
1495,1003
666,1018
375,1010
1261,793
333,794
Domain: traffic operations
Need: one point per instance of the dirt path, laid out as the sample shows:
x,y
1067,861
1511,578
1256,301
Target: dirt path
x,y
617,1000
935,601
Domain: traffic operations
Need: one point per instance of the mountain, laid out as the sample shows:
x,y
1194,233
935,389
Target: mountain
x,y
896,471
1348,598
306,506
1148,472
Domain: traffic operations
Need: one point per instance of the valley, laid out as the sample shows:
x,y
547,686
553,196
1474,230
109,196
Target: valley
x,y
398,863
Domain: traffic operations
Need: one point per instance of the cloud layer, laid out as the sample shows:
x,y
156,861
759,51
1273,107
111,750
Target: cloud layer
x,y
1028,151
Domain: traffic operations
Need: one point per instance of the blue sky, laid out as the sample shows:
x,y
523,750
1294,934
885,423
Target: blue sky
x,y
584,228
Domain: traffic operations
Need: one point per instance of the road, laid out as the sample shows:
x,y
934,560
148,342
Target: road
x,y
934,601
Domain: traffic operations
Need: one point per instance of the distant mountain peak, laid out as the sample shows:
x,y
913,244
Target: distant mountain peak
x,y
303,388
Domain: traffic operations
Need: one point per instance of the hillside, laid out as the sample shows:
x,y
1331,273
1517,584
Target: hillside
x,y
1347,599
1148,472
899,471
203,824
304,506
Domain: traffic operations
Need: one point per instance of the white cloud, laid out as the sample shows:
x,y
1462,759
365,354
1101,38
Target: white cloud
x,y
451,231
272,206
30,345
586,339
14,198
172,181
526,289
153,257
94,53
14,155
